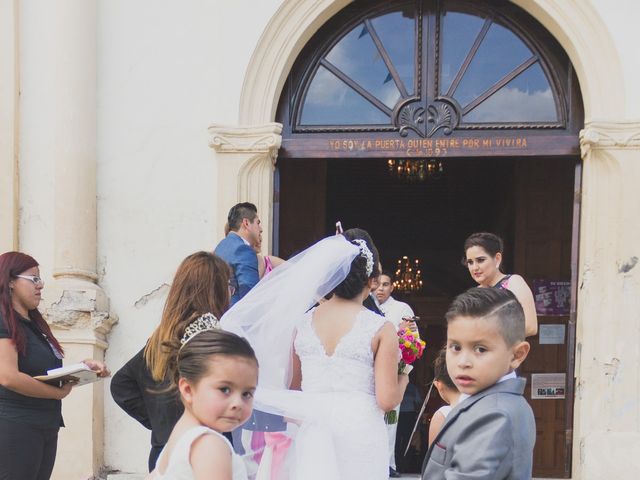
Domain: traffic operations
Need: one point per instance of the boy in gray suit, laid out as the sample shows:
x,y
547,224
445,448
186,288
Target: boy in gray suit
x,y
490,434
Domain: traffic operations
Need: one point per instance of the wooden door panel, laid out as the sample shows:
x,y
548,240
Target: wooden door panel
x,y
542,250
302,204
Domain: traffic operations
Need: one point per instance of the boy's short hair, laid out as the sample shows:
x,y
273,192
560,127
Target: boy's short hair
x,y
497,304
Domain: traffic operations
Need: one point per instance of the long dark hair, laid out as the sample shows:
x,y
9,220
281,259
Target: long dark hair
x,y
357,278
201,285
13,264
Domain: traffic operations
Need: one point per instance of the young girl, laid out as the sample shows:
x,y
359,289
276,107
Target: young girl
x,y
216,373
448,392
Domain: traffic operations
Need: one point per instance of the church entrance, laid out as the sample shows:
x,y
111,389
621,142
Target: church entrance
x,y
423,121
529,202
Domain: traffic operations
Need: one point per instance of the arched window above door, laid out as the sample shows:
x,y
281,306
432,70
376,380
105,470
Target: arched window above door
x,y
426,68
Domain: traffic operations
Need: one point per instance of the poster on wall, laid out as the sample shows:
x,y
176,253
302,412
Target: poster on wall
x,y
547,386
552,297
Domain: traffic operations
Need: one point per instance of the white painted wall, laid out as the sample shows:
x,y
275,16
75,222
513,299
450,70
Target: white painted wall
x,y
626,36
166,71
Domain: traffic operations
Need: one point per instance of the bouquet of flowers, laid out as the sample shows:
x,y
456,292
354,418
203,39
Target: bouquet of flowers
x,y
411,349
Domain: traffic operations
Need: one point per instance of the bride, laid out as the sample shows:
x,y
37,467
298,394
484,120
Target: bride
x,y
329,371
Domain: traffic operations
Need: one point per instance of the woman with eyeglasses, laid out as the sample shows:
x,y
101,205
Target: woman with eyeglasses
x,y
483,257
140,387
30,410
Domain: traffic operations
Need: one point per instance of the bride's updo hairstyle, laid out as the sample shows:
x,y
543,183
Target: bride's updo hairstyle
x,y
357,278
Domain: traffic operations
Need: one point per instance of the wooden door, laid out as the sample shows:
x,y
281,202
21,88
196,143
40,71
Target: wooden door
x,y
300,204
543,250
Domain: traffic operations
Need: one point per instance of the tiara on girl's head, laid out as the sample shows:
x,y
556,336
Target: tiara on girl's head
x,y
203,323
366,253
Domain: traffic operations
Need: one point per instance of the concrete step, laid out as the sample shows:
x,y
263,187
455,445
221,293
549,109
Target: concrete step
x,y
126,476
137,476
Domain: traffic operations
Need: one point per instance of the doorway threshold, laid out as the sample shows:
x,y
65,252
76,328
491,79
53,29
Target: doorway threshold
x,y
409,476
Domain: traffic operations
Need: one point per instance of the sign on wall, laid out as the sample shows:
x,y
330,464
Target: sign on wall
x,y
551,334
552,297
547,386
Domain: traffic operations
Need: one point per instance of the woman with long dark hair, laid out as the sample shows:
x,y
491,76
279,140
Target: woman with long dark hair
x,y
200,287
483,253
30,410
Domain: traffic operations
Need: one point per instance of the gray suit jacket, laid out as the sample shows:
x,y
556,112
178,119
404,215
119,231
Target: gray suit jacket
x,y
488,436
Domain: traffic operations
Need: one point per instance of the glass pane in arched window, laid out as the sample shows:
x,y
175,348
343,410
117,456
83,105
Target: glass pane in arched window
x,y
526,98
397,33
459,31
330,101
357,56
500,53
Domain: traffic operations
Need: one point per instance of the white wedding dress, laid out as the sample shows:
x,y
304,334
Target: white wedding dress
x,y
335,428
344,424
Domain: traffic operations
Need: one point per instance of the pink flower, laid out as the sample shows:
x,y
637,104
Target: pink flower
x,y
408,357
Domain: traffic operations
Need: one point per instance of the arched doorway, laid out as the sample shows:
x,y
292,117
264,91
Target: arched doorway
x,y
482,91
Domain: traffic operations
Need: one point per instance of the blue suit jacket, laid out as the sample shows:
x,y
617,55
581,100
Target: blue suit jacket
x,y
243,262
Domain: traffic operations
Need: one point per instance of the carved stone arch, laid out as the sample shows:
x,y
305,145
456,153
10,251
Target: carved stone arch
x,y
252,181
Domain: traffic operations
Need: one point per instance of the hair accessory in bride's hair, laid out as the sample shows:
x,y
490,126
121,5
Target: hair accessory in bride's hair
x,y
203,323
366,253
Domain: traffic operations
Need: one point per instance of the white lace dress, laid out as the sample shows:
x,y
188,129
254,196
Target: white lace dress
x,y
179,466
343,435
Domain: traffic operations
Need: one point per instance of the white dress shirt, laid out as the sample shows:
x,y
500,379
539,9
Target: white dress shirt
x,y
395,311
512,374
242,238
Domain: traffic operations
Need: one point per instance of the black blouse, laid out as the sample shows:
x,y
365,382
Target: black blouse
x,y
135,391
40,356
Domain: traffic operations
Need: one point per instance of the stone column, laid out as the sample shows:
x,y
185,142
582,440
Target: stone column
x,y
607,417
246,158
8,127
77,309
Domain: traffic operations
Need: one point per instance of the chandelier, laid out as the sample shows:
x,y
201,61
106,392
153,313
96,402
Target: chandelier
x,y
415,170
408,276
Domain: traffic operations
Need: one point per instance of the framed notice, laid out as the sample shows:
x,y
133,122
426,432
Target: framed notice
x,y
551,334
552,297
547,386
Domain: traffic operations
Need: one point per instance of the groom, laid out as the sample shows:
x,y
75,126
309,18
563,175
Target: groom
x,y
237,248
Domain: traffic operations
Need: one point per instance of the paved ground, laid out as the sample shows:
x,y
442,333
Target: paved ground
x,y
141,477
130,476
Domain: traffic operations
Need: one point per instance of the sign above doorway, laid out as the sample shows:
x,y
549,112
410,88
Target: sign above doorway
x,y
430,79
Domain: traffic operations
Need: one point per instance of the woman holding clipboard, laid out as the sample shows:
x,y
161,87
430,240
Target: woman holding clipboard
x,y
30,410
